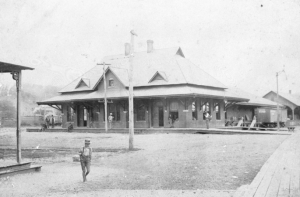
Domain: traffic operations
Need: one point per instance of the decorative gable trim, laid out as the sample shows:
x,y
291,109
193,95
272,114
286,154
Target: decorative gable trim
x,y
83,83
159,75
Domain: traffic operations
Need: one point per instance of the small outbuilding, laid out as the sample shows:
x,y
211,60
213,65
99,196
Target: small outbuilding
x,y
291,101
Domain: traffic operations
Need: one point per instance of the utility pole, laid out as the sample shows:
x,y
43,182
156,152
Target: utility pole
x,y
105,99
131,115
277,73
277,103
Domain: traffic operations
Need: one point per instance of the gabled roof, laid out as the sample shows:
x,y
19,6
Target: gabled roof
x,y
177,69
295,99
254,100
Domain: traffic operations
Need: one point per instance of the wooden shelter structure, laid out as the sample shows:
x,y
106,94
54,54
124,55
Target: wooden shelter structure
x,y
16,72
291,101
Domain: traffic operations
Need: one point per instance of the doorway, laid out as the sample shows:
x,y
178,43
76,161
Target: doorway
x,y
81,116
160,116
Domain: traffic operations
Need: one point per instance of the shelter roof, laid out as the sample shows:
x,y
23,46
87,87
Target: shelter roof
x,y
293,98
8,67
253,99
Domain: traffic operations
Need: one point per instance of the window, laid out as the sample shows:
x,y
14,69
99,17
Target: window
x,y
111,83
186,104
94,114
70,114
141,113
173,115
217,110
194,111
174,106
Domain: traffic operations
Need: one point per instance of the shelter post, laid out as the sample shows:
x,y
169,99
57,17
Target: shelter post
x,y
17,75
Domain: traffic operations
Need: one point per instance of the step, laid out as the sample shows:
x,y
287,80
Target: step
x,y
21,171
15,167
18,168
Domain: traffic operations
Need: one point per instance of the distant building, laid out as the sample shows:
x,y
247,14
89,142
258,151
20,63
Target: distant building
x,y
291,101
249,109
167,87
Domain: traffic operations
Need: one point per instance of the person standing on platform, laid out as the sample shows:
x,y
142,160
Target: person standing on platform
x,y
85,159
207,119
110,119
52,121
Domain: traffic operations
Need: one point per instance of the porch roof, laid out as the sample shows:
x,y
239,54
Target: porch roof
x,y
8,67
254,100
158,91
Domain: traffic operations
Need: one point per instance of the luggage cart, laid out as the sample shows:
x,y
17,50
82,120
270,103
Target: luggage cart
x,y
290,124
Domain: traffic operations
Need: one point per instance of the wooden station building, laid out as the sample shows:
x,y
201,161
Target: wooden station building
x,y
167,87
291,101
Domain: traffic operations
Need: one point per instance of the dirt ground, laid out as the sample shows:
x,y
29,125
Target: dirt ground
x,y
168,164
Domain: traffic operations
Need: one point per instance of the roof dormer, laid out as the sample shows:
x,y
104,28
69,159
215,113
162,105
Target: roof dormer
x,y
159,76
83,83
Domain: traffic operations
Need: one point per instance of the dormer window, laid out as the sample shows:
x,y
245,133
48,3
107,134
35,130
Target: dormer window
x,y
111,83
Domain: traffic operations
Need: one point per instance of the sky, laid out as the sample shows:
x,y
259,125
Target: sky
x,y
241,43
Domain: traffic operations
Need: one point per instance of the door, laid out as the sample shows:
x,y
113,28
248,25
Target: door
x,y
80,116
160,116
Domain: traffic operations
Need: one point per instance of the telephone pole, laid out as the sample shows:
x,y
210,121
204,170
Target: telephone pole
x,y
131,115
105,99
277,73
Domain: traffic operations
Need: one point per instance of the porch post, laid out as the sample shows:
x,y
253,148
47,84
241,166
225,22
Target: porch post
x,y
17,76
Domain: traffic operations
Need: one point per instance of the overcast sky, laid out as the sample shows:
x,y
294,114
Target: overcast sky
x,y
241,43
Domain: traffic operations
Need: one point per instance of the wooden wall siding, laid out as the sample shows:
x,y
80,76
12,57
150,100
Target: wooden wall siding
x,y
185,119
117,84
240,111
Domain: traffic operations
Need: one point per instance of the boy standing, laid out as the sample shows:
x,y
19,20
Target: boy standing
x,y
85,159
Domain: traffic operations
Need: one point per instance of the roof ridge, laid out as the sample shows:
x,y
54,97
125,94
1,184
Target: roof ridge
x,y
137,52
181,70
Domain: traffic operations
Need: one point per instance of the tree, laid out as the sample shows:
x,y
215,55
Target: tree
x,y
7,109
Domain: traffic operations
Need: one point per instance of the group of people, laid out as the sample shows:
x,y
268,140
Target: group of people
x,y
49,121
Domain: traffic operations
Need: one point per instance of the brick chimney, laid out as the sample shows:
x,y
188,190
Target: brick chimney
x,y
149,46
127,49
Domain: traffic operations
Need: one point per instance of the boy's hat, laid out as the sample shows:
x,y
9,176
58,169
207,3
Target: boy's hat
x,y
87,141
